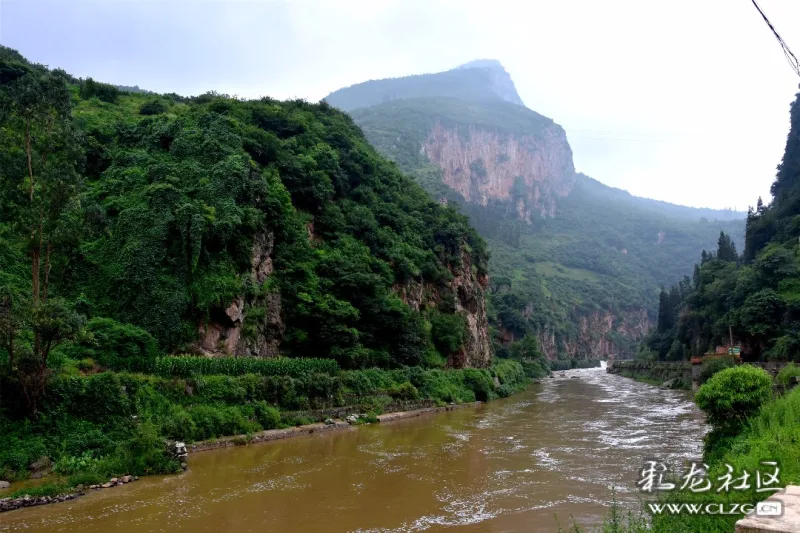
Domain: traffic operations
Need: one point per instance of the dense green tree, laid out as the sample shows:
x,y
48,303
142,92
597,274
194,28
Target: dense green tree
x,y
40,186
726,249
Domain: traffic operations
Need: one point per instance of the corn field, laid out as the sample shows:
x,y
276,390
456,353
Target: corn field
x,y
185,366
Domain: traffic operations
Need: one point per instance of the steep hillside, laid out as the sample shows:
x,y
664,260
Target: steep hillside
x,y
229,227
573,261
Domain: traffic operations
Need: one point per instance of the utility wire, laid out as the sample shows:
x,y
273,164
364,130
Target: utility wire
x,y
790,57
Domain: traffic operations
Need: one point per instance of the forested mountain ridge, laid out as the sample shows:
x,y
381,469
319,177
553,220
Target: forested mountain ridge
x,y
574,262
753,296
225,226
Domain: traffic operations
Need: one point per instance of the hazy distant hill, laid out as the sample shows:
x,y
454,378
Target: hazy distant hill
x,y
485,82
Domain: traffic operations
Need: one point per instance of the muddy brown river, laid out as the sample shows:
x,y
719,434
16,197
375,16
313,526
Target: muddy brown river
x,y
511,465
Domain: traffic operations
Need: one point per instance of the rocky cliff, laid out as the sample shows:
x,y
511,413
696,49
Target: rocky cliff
x,y
469,290
531,171
250,325
598,335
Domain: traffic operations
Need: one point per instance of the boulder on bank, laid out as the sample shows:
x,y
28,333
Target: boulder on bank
x,y
4,485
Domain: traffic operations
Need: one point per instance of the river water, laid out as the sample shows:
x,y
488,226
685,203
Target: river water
x,y
510,465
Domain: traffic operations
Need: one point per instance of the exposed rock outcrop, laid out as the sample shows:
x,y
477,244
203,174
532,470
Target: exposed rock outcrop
x,y
529,170
469,289
224,332
598,335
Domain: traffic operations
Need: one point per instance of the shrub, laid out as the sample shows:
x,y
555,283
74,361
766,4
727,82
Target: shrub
x,y
86,364
219,420
85,438
712,366
178,424
480,382
153,107
103,91
144,453
729,397
70,464
267,416
784,377
404,391
115,345
16,454
448,332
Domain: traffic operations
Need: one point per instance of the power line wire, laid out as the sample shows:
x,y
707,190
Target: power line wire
x,y
790,57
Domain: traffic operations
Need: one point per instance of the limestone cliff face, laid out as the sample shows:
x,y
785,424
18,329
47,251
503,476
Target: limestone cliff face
x,y
224,333
599,335
529,170
470,301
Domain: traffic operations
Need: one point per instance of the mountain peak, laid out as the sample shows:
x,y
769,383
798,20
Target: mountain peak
x,y
483,63
479,80
500,82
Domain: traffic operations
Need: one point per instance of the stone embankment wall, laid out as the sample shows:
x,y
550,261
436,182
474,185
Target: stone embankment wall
x,y
685,374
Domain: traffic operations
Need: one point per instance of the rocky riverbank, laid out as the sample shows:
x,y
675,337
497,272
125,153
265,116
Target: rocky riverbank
x,y
11,504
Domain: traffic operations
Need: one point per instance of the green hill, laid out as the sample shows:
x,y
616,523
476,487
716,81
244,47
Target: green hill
x,y
227,226
573,261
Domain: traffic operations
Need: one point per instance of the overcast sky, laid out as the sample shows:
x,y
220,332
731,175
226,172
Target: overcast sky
x,y
683,100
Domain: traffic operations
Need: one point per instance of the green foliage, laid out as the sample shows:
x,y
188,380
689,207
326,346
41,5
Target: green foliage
x,y
113,345
527,353
732,395
40,213
448,332
103,91
787,374
153,107
267,416
403,391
